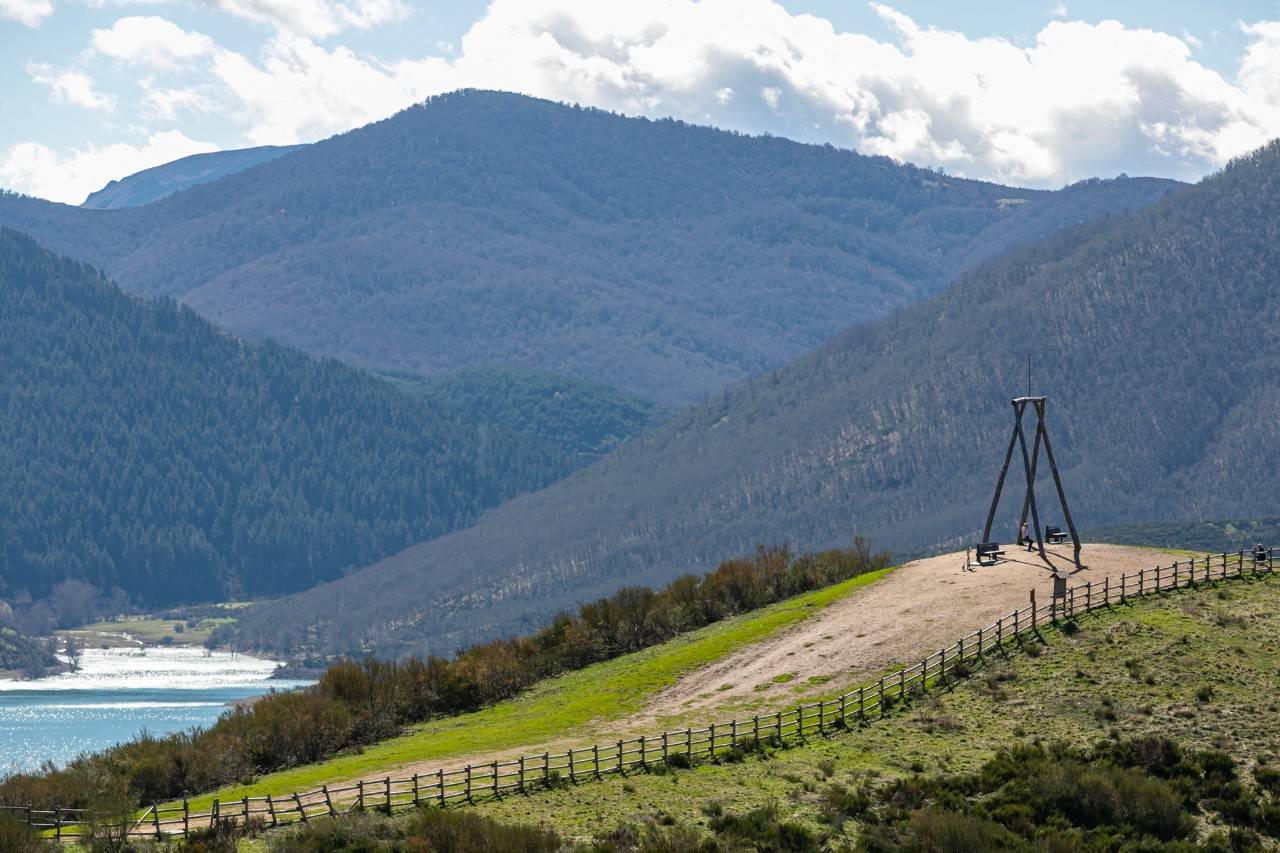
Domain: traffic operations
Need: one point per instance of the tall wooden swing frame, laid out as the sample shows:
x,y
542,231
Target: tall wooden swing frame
x,y
1029,463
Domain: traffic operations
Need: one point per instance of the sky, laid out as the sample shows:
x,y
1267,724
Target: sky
x,y
1033,93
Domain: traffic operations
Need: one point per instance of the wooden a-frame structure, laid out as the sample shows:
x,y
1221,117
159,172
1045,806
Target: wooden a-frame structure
x,y
1029,464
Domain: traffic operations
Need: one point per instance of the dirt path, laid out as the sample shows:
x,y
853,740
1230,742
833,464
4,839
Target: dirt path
x,y
914,611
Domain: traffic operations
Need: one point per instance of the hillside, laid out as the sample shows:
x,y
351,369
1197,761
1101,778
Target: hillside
x,y
142,449
161,181
1152,338
483,228
581,419
1217,536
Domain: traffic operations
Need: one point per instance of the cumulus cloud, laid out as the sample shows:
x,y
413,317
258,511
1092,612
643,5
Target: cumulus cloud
x,y
68,177
69,86
30,13
152,41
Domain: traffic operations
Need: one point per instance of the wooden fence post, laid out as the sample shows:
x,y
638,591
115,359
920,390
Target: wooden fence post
x,y
186,816
882,696
360,792
57,824
620,768
495,784
468,783
546,767
328,801
644,758
440,785
573,778
245,803
213,813
271,810
1106,590
520,783
862,704
302,813
389,792
595,761
155,818
1088,597
415,790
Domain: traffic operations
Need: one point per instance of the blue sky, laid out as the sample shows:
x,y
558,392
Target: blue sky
x,y
1028,93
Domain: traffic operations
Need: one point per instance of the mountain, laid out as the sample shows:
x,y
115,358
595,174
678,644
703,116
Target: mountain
x,y
143,449
1152,337
581,419
483,228
161,181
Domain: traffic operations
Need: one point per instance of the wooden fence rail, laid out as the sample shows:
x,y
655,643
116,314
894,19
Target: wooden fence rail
x,y
672,748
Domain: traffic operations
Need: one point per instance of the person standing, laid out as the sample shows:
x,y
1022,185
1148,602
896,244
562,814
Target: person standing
x,y
1024,536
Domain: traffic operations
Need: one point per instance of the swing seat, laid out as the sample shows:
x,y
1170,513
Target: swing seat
x,y
1055,535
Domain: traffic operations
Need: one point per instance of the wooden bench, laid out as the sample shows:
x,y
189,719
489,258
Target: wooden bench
x,y
989,553
1055,535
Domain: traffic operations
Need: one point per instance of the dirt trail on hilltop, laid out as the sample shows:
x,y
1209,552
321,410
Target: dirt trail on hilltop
x,y
913,611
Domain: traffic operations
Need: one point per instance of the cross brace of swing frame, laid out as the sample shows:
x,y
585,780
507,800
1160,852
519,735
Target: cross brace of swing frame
x,y
1030,462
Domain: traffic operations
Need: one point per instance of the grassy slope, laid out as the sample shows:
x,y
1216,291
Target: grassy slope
x,y
1137,669
571,705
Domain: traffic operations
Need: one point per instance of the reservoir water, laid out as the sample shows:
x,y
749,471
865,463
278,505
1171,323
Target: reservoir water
x,y
118,693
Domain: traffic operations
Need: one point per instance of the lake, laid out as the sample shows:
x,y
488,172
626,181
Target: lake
x,y
120,692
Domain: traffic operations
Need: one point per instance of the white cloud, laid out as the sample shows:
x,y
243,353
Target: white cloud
x,y
315,18
70,86
151,41
1059,11
30,13
32,168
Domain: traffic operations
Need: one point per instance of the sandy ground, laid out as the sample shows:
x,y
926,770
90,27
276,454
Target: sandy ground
x,y
915,610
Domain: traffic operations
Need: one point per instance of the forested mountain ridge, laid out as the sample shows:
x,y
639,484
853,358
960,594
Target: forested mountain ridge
x,y
161,181
142,449
1153,337
580,419
488,228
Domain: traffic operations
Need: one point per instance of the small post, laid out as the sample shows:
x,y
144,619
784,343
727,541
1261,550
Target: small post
x,y
1157,578
924,676
415,789
777,723
468,783
546,766
388,783
1033,611
979,642
644,758
360,794
1142,582
822,718
573,778
1124,583
186,816
1088,597
155,817
688,742
244,802
665,753
881,684
328,801
755,726
213,813
302,813
1000,633
271,809
440,785
1106,590
595,763
57,823
620,770
521,781
495,785
942,666
712,736
862,704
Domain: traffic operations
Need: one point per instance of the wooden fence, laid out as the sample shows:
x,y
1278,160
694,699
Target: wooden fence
x,y
679,748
